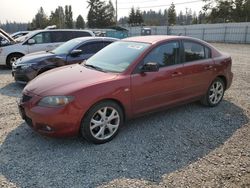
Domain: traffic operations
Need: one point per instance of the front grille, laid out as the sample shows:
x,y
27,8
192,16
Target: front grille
x,y
26,98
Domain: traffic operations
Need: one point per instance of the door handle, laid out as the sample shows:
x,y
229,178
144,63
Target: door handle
x,y
209,67
49,46
174,74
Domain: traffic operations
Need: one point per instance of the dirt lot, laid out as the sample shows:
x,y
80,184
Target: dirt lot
x,y
188,146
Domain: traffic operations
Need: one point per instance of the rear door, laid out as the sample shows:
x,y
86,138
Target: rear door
x,y
198,68
59,37
157,89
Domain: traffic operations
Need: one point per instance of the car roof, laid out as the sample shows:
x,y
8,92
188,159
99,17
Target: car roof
x,y
152,39
85,39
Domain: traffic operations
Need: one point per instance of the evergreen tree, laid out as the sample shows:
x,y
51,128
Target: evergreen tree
x,y
80,24
40,21
100,15
57,18
131,18
227,11
172,15
110,14
68,17
138,17
180,18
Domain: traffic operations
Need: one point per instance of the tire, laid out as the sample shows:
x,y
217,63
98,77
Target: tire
x,y
12,58
98,126
214,93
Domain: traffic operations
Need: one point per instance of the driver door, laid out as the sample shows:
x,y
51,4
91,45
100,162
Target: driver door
x,y
88,50
151,90
42,43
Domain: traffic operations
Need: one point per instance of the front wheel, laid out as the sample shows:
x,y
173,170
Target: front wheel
x,y
12,58
215,93
102,122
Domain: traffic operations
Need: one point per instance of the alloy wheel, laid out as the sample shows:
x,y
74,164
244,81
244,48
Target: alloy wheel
x,y
104,123
216,92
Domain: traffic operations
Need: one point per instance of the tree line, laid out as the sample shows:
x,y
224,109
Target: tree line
x,y
214,11
101,14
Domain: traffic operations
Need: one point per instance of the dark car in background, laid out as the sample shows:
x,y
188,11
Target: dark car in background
x,y
74,51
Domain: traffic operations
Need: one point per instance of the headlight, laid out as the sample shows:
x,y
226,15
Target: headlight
x,y
55,101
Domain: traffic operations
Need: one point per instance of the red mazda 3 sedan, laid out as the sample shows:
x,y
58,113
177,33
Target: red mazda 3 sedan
x,y
126,79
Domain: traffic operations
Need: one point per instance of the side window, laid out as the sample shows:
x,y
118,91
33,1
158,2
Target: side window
x,y
57,36
194,51
41,38
91,48
80,34
106,43
165,55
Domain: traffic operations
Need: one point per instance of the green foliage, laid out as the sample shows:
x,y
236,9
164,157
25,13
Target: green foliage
x,y
100,14
172,15
135,17
68,17
12,27
57,18
154,18
80,24
227,11
40,21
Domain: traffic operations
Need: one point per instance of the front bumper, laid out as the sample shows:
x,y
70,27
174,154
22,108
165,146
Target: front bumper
x,y
23,75
56,122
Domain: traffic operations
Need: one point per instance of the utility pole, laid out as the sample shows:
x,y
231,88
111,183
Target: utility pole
x,y
116,12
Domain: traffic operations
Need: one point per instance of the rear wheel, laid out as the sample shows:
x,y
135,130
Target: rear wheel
x,y
102,122
215,93
12,58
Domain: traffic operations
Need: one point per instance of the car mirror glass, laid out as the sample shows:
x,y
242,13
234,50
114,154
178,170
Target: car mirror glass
x,y
31,41
150,67
76,52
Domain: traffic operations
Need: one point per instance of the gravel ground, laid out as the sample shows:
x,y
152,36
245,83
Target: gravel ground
x,y
187,146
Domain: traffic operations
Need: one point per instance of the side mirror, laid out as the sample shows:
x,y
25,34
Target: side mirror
x,y
150,67
76,52
31,41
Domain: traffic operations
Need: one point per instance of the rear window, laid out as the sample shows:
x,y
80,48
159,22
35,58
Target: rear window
x,y
194,51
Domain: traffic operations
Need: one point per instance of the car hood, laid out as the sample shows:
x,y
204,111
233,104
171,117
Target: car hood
x,y
66,80
34,57
7,35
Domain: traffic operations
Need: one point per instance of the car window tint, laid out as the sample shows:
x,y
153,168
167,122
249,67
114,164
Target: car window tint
x,y
41,38
58,36
106,43
91,48
80,34
194,51
165,55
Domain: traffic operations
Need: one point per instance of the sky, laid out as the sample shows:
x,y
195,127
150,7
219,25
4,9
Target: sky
x,y
25,10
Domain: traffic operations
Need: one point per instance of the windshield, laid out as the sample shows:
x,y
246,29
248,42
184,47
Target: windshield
x,y
117,56
66,47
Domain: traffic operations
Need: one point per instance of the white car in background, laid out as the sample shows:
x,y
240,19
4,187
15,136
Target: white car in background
x,y
39,40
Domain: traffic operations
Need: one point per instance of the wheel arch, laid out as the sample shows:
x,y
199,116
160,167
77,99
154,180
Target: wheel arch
x,y
12,53
224,79
113,100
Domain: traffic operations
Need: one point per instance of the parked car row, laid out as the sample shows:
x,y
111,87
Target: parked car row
x,y
125,79
74,51
39,40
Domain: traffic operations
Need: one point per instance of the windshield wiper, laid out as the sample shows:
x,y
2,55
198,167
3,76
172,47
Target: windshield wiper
x,y
95,67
